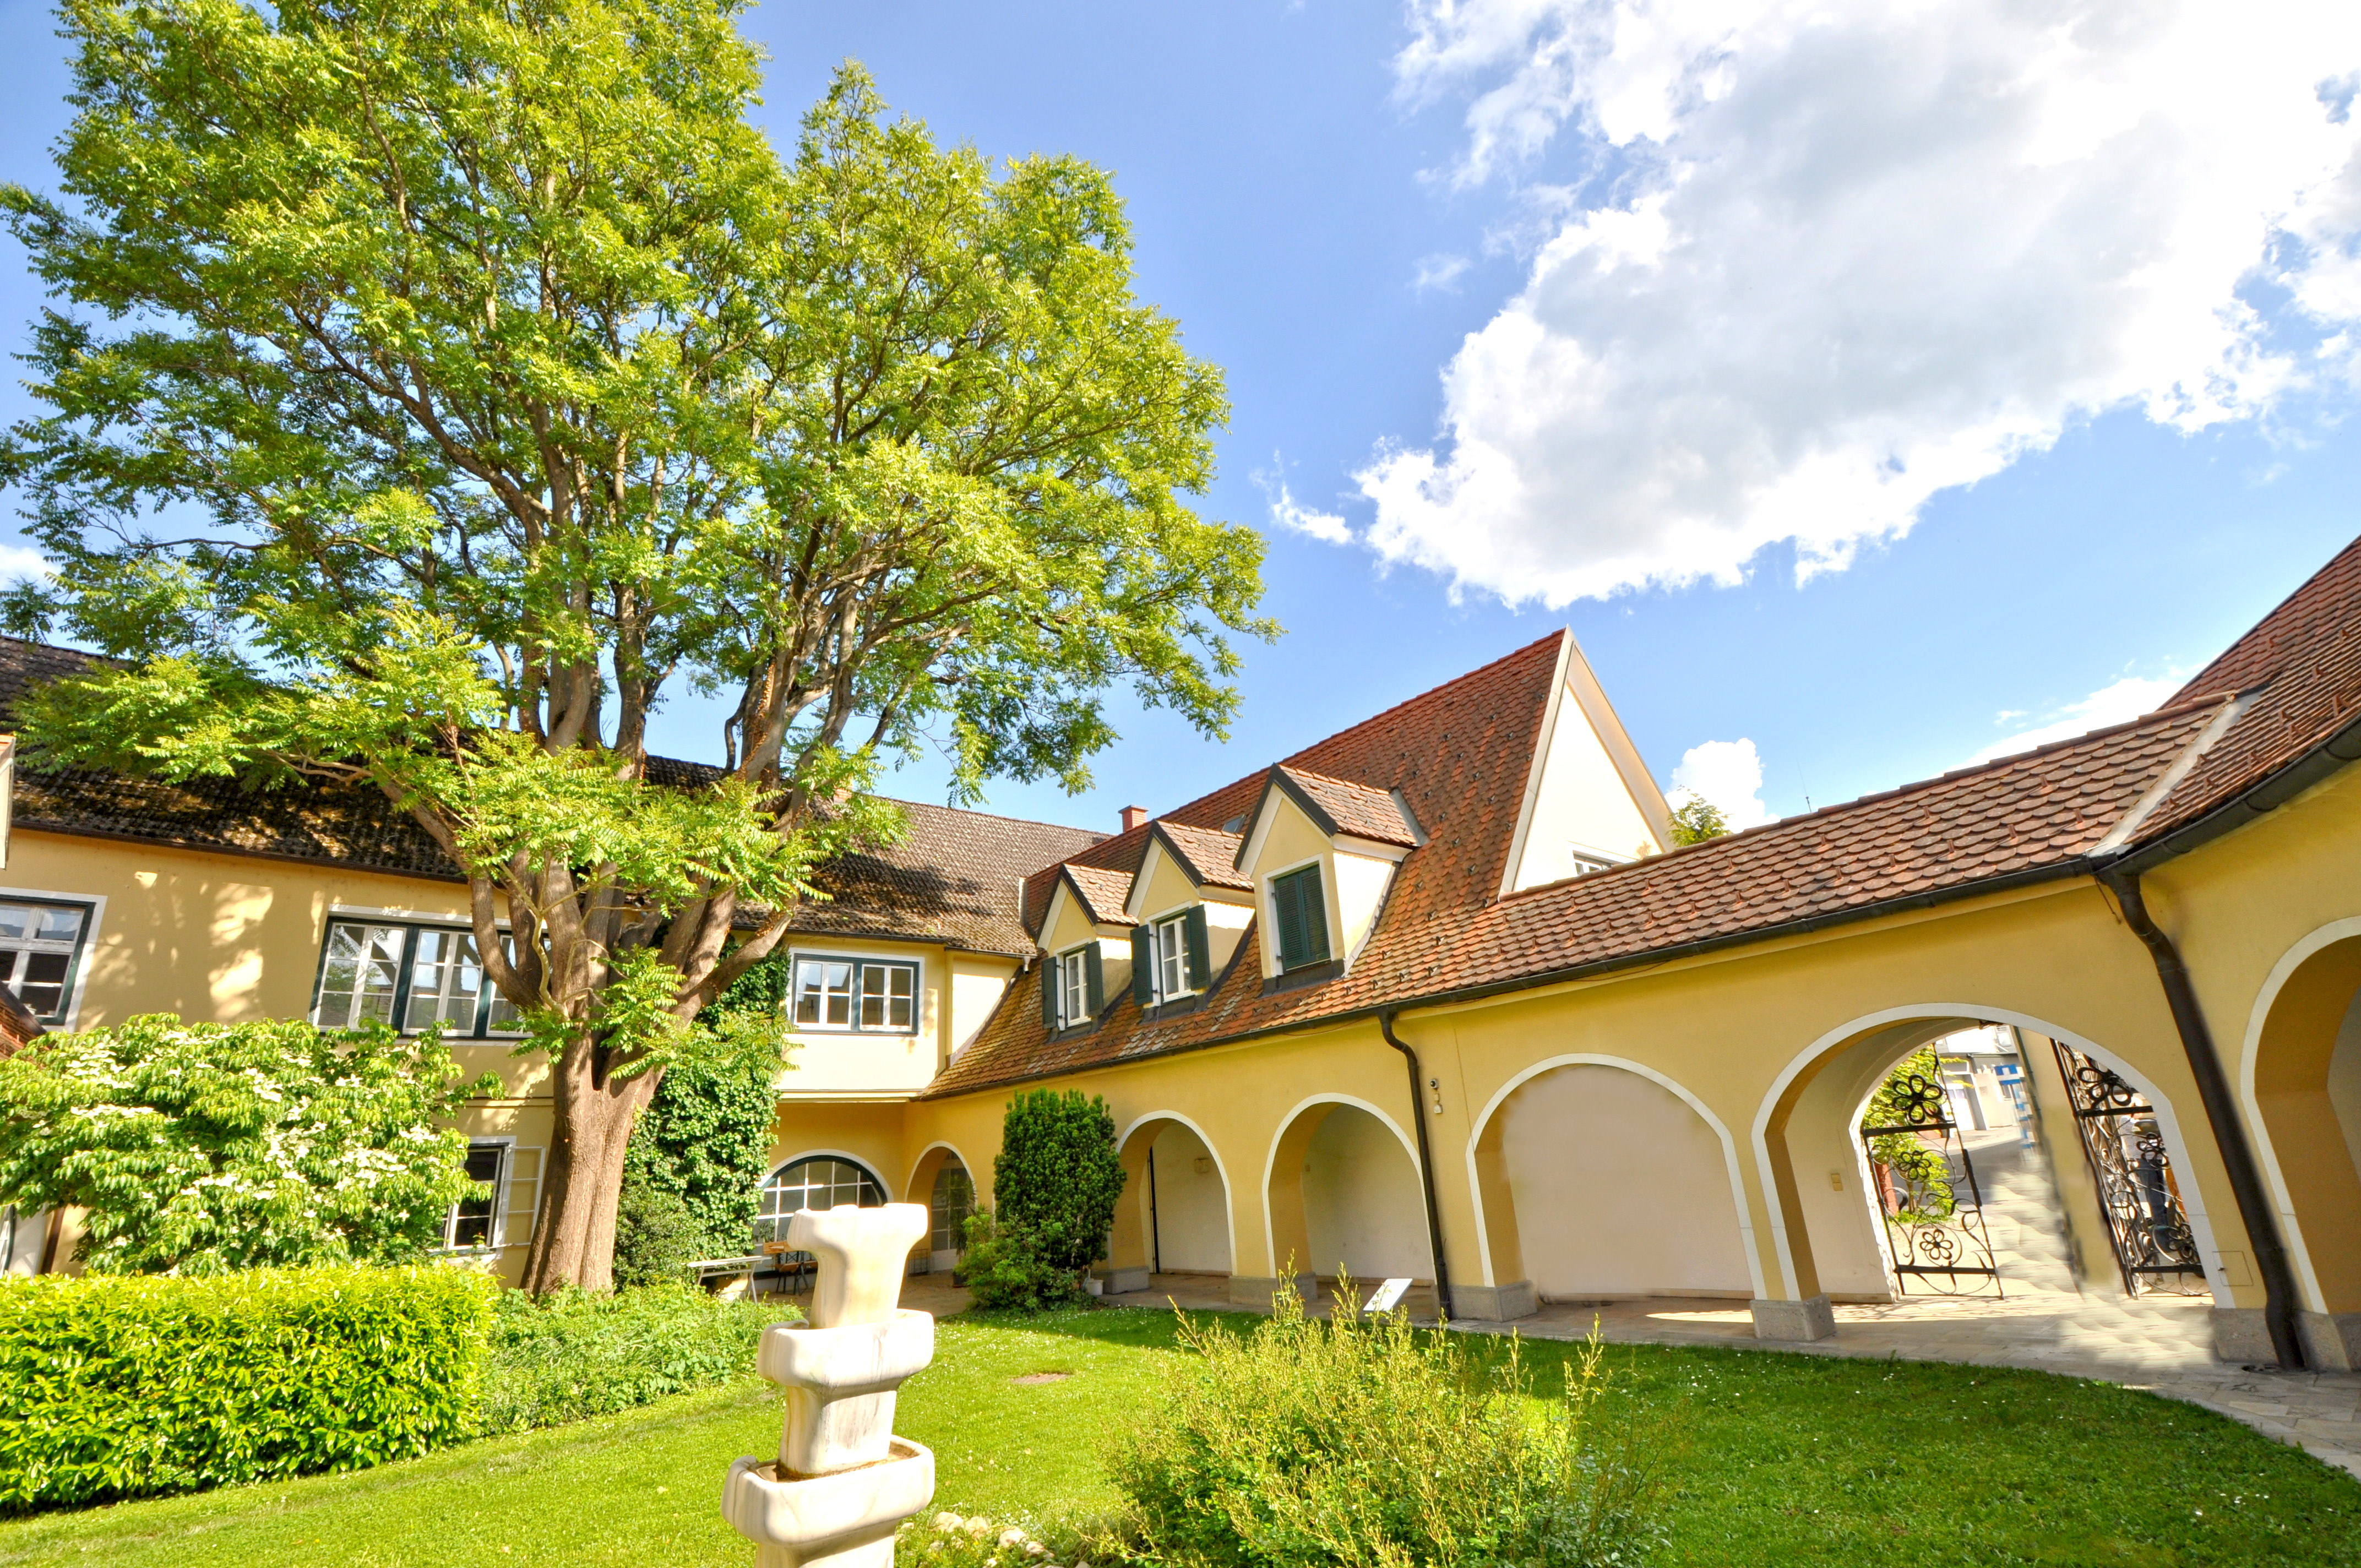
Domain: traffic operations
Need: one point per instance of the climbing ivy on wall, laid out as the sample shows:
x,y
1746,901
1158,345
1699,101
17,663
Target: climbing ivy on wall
x,y
704,1143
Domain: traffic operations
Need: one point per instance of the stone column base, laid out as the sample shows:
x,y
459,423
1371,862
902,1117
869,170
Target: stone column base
x,y
1121,1281
1494,1303
2240,1333
1255,1292
1808,1320
2332,1341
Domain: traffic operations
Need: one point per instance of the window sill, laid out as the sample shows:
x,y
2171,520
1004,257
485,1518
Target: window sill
x,y
1178,1007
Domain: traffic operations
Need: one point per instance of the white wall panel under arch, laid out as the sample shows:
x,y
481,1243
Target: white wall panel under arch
x,y
1362,1204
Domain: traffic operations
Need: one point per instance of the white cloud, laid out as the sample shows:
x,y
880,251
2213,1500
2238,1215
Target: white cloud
x,y
2126,699
16,561
1290,514
1728,774
1439,272
1856,252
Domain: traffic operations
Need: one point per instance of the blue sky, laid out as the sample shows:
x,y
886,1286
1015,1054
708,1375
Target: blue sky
x,y
1628,318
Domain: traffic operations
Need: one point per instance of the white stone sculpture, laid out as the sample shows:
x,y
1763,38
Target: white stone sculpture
x,y
842,1481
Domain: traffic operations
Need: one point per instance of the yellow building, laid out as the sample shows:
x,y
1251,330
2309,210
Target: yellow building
x,y
1436,997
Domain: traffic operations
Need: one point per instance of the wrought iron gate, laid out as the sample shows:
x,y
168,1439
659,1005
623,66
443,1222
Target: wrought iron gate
x,y
1928,1196
2146,1222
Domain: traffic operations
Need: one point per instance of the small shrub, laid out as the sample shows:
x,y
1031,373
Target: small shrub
x,y
656,1237
1364,1442
117,1386
1059,1174
1007,1269
570,1353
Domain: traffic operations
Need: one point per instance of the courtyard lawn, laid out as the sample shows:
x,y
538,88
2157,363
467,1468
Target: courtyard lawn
x,y
1781,1459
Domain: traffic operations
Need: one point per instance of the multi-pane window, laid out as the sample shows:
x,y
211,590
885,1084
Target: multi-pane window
x,y
39,945
474,1220
419,975
1299,914
819,1182
855,993
952,1201
1171,957
1074,986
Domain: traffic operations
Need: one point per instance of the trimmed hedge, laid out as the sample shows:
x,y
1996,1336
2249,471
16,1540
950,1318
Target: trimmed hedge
x,y
131,1386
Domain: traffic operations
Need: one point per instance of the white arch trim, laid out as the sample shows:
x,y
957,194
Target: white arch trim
x,y
911,1186
1583,1058
2175,1148
882,1179
1270,1160
1229,1192
2251,1108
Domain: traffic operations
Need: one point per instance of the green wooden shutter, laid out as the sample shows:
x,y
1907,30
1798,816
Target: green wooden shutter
x,y
1286,914
1049,994
1143,964
1093,979
1201,965
1316,918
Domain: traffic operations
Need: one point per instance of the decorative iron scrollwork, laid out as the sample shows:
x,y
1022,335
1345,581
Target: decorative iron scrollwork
x,y
2146,1224
1926,1193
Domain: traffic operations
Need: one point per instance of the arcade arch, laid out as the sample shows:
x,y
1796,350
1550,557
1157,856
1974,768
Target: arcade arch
x,y
1819,1189
942,1181
1596,1177
2299,1075
1342,1193
1175,1216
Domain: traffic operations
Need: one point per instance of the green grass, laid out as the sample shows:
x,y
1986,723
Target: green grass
x,y
1782,1459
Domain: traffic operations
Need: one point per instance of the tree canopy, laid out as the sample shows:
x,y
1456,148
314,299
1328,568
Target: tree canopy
x,y
437,387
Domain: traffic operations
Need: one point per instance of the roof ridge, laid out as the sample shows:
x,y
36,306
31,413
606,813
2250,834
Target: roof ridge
x,y
2238,644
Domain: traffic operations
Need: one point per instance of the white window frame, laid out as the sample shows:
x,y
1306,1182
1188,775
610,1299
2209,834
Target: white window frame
x,y
496,1234
1074,987
78,968
1171,928
488,1000
856,983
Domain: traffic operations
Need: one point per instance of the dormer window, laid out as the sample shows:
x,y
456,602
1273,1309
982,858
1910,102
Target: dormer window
x,y
1586,863
1071,990
1170,956
1298,914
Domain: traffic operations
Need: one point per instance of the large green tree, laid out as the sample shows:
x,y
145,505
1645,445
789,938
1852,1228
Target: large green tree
x,y
437,385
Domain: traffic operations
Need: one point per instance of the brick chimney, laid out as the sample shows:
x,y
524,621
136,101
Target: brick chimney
x,y
1134,817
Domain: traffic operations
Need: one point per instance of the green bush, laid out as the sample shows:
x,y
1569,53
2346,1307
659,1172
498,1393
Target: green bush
x,y
124,1386
570,1353
1361,1443
1006,1270
656,1238
1059,1174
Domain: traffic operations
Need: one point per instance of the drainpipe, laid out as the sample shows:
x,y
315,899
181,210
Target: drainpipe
x,y
1425,1160
2222,1111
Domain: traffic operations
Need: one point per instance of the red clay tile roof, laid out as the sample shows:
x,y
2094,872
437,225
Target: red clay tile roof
x,y
1209,855
2303,665
955,878
1361,810
1102,892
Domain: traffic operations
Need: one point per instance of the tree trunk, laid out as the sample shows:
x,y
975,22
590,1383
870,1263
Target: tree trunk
x,y
574,1229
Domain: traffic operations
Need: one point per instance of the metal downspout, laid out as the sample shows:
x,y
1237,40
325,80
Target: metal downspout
x,y
1425,1160
2222,1112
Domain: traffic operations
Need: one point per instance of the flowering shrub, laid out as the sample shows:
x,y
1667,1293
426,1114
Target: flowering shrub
x,y
1361,1443
200,1147
948,1540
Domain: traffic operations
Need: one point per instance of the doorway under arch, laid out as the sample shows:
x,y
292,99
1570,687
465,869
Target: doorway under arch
x,y
2302,1084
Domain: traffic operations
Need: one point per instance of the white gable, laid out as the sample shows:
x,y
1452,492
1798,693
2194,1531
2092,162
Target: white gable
x,y
1589,798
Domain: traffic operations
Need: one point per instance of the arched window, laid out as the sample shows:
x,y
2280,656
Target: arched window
x,y
820,1181
952,1201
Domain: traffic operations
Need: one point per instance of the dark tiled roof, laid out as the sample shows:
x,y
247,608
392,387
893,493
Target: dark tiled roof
x,y
955,878
1209,855
1353,809
2015,815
